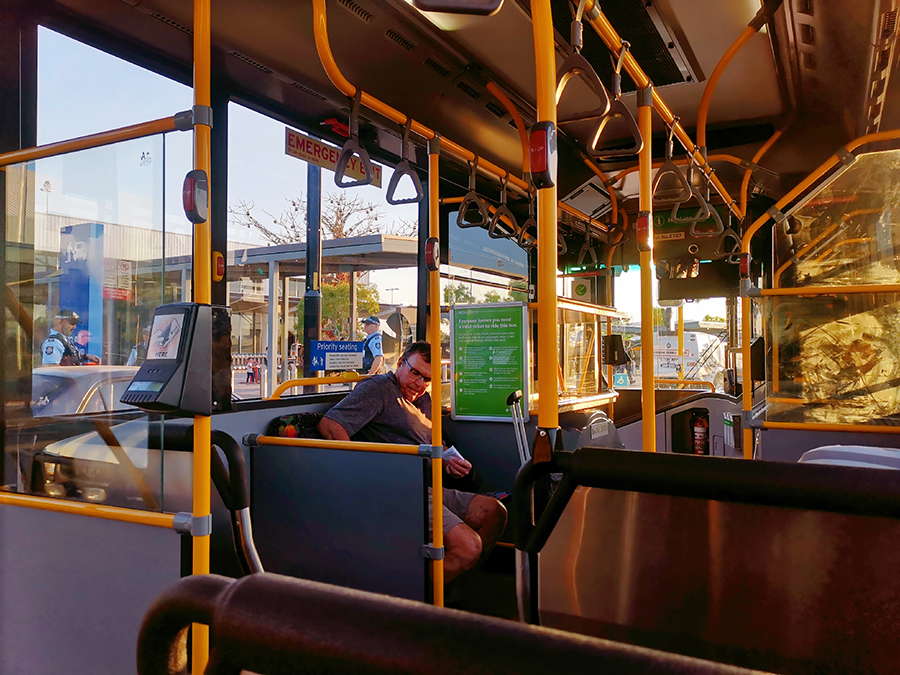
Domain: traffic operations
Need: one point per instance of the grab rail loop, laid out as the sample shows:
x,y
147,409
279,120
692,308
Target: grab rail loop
x,y
526,239
471,199
703,212
620,111
720,226
353,147
732,255
404,168
498,230
576,64
669,167
586,247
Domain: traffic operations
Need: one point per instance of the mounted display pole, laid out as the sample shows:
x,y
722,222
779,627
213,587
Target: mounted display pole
x,y
644,233
547,336
312,299
434,337
202,265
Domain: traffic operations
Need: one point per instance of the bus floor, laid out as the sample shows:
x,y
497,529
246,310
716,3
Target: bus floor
x,y
489,590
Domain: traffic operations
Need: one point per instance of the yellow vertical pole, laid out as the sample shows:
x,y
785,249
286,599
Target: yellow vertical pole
x,y
746,380
434,335
681,339
202,294
547,335
645,161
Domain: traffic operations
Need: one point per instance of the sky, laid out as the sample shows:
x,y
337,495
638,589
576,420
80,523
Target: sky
x,y
84,91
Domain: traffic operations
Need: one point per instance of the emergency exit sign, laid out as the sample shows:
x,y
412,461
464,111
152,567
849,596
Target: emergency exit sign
x,y
318,153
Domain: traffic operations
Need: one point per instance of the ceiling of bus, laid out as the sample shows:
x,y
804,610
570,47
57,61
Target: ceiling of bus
x,y
439,74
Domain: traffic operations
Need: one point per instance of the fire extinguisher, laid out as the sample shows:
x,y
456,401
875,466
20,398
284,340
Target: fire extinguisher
x,y
700,427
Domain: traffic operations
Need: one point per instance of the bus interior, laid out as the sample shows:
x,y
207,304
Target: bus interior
x,y
650,244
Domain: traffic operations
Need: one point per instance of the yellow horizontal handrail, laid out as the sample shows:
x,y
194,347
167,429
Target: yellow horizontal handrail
x,y
584,307
704,383
831,290
340,378
359,446
93,141
90,510
806,426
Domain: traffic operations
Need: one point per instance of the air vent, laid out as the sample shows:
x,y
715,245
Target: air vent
x,y
470,91
404,42
172,22
889,25
437,67
805,7
255,64
307,90
884,60
357,11
495,109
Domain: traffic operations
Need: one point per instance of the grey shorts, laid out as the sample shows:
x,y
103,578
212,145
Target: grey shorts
x,y
456,504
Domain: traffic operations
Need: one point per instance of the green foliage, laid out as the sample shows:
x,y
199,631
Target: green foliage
x,y
710,317
457,294
493,296
336,306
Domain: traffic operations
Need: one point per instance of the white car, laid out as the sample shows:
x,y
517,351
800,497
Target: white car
x,y
74,390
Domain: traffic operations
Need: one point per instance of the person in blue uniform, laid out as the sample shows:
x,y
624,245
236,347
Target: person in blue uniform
x,y
57,348
373,355
139,352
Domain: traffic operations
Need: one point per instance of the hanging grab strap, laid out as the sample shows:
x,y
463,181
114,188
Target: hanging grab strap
x,y
473,200
716,218
670,168
353,147
577,65
731,254
404,168
703,210
617,111
586,247
527,238
498,229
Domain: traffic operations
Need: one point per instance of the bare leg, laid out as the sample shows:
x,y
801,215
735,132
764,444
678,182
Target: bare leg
x,y
462,551
487,517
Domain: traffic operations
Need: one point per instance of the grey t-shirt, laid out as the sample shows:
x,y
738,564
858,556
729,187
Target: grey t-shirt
x,y
377,411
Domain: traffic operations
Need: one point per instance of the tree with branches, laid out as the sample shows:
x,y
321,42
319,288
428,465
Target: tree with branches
x,y
343,215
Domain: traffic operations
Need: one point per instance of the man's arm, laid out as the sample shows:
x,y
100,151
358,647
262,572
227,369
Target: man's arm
x,y
376,365
332,431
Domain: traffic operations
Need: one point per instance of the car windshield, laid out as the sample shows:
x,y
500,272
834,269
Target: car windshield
x,y
46,389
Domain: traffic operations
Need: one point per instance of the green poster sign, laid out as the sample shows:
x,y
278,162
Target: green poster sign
x,y
489,359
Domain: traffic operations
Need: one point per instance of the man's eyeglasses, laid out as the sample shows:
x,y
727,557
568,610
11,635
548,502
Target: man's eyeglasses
x,y
415,373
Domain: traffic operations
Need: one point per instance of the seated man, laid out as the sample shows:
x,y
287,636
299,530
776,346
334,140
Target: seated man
x,y
396,408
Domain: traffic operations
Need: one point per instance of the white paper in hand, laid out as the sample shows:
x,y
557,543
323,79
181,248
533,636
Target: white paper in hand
x,y
453,453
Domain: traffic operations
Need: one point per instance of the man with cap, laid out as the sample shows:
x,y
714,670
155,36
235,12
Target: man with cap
x,y
373,356
57,349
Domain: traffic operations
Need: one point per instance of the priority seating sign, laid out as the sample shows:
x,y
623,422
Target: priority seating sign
x,y
335,355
